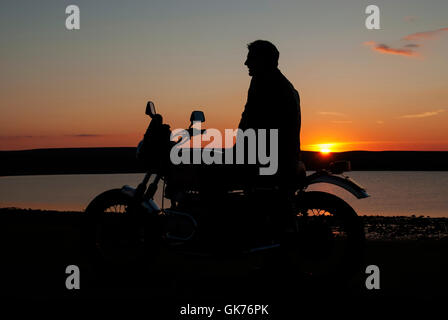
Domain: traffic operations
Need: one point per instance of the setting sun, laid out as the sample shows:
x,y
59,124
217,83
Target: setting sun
x,y
324,148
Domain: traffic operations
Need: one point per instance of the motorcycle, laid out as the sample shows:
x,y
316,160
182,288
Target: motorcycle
x,y
125,223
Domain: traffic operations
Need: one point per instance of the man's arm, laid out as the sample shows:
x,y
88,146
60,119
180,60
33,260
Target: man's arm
x,y
245,121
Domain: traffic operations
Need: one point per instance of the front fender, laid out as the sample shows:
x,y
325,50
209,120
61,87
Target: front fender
x,y
344,182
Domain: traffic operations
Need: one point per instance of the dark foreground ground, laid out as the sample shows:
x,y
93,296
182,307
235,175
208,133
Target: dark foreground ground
x,y
37,246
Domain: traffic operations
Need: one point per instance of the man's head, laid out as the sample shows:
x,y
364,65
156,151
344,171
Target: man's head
x,y
262,57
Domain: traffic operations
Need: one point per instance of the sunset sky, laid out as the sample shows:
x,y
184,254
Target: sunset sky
x,y
360,89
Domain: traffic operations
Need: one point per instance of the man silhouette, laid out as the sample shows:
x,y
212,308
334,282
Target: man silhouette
x,y
274,103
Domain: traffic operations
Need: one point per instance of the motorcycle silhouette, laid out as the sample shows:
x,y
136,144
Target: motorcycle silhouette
x,y
126,222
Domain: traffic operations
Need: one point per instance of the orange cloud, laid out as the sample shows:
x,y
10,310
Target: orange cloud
x,y
425,34
423,114
342,121
84,135
331,113
383,48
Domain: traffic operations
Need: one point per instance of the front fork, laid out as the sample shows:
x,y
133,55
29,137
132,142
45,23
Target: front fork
x,y
147,225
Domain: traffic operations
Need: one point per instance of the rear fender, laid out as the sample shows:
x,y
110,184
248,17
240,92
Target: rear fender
x,y
344,182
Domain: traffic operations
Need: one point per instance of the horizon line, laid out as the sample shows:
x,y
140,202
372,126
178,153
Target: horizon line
x,y
129,147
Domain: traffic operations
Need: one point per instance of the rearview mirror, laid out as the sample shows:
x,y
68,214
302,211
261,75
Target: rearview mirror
x,y
197,116
150,109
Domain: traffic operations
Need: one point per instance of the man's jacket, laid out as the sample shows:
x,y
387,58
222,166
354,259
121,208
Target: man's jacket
x,y
274,103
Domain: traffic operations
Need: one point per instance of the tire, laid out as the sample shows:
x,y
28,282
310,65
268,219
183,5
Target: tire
x,y
331,236
110,232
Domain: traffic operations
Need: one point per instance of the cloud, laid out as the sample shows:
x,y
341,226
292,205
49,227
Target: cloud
x,y
410,18
21,137
423,114
408,49
412,45
380,122
330,113
385,49
382,48
425,34
84,135
342,121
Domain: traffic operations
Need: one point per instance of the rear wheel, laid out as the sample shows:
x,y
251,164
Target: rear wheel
x,y
330,238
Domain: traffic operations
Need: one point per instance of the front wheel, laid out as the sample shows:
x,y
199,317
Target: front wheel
x,y
110,232
330,238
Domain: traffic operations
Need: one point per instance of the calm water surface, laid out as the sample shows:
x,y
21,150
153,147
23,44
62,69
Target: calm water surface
x,y
392,192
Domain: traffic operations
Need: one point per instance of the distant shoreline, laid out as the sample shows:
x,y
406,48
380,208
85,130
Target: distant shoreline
x,y
123,160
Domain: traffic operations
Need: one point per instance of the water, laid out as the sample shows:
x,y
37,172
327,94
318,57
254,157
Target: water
x,y
392,192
